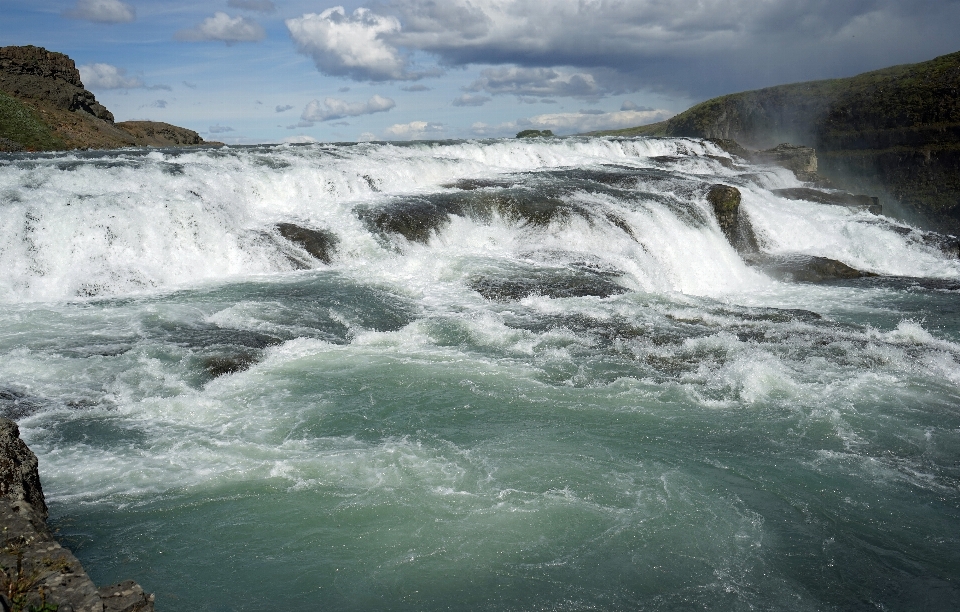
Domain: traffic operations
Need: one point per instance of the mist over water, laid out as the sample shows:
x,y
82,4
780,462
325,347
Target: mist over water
x,y
494,375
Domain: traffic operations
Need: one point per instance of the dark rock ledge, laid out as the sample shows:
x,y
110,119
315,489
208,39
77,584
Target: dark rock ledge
x,y
36,572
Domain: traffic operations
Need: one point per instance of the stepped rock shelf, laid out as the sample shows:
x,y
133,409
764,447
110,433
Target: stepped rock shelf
x,y
45,107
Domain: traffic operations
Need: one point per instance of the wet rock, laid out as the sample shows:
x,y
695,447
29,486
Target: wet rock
x,y
221,365
835,198
318,243
416,220
19,478
17,404
725,201
34,568
553,284
804,268
126,596
798,158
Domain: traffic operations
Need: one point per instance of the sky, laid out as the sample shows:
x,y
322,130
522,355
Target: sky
x,y
269,71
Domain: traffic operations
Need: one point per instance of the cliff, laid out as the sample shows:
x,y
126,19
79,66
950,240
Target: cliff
x,y
894,131
36,572
44,107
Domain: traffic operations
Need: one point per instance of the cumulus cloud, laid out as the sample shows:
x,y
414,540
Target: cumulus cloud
x,y
223,27
220,129
573,123
350,45
102,11
471,100
263,6
106,76
690,47
334,108
284,108
415,130
415,87
299,139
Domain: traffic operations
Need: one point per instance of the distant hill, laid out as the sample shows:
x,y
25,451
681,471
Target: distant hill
x,y
894,132
44,107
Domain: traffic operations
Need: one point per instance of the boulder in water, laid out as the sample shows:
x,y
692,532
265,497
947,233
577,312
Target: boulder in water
x,y
804,268
725,201
318,243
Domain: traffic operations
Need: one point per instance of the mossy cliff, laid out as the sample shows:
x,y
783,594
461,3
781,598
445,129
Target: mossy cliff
x,y
45,107
894,131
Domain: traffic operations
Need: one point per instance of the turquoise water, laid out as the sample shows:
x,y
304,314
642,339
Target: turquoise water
x,y
632,418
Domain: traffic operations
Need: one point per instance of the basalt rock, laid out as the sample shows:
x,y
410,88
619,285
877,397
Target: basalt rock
x,y
19,478
833,198
318,243
44,107
804,268
553,284
36,570
725,201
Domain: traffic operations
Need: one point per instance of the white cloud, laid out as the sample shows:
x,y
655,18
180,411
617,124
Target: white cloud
x,y
224,28
367,137
415,130
220,129
106,76
102,11
415,87
284,108
574,123
471,100
263,6
352,46
299,139
334,108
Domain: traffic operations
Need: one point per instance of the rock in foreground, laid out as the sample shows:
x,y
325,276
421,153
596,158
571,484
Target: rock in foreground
x,y
36,569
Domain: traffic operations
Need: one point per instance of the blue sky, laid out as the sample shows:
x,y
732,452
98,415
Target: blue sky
x,y
249,71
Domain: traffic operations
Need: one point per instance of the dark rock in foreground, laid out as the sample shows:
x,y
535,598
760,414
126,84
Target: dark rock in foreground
x,y
36,569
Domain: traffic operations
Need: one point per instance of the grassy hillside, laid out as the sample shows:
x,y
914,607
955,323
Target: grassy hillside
x,y
22,124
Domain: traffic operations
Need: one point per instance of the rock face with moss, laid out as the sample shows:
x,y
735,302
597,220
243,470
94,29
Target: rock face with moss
x,y
36,572
44,106
894,132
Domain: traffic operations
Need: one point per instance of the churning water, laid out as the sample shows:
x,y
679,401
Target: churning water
x,y
497,375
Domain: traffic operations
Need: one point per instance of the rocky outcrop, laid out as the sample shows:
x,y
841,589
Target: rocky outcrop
x,y
44,106
725,201
35,570
159,134
19,477
33,73
893,132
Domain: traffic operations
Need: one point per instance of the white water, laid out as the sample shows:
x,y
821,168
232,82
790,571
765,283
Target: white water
x,y
398,441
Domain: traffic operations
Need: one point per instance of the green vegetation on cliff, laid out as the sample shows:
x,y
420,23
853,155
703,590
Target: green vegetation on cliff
x,y
894,131
20,124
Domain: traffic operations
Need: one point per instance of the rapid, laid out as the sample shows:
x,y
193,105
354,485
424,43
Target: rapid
x,y
479,375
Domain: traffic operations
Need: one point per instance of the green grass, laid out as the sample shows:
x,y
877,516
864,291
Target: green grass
x,y
22,124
